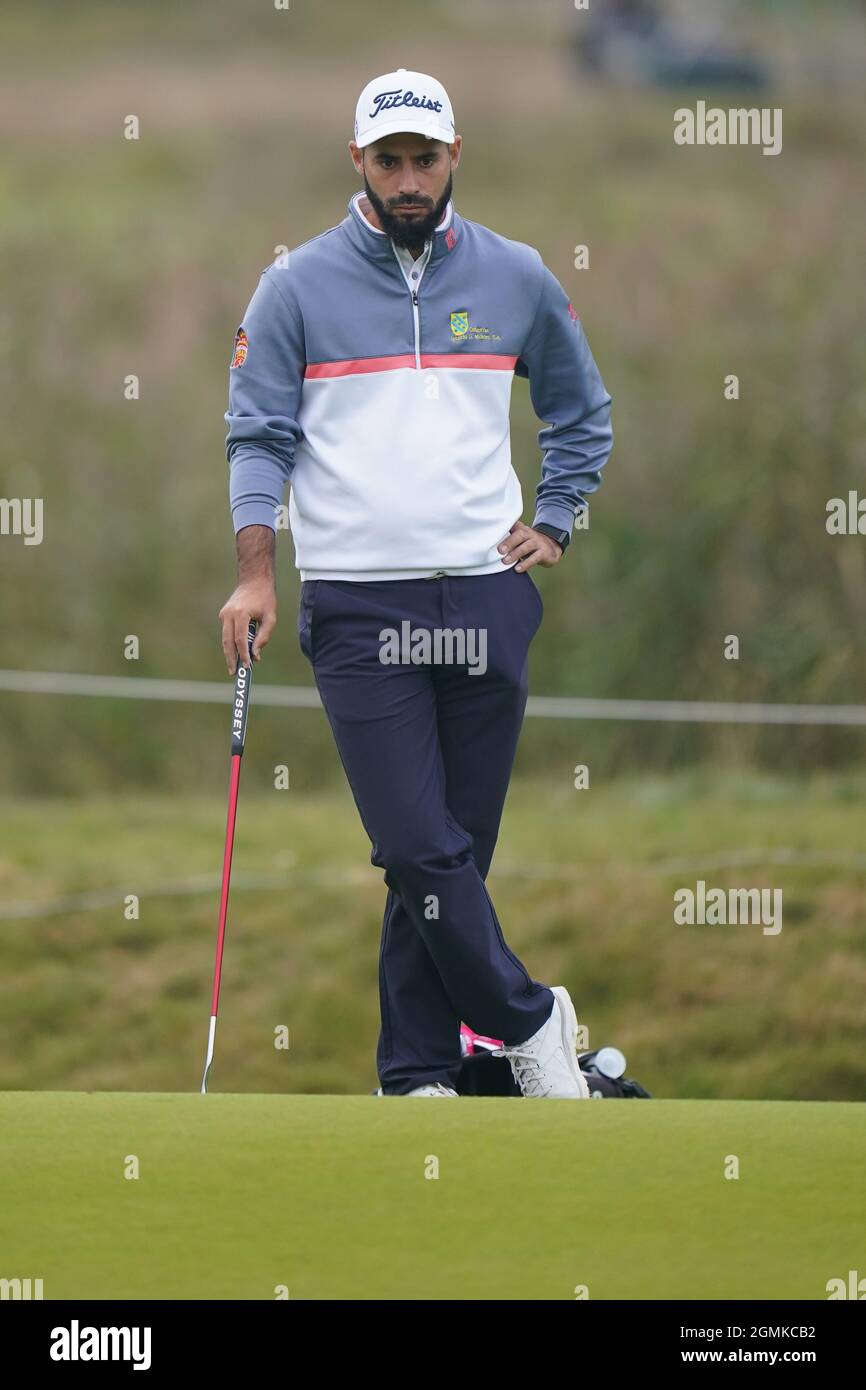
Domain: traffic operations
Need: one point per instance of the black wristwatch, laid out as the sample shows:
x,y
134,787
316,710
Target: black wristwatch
x,y
561,537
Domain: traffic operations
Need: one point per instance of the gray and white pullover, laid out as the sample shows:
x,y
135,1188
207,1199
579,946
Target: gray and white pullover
x,y
381,393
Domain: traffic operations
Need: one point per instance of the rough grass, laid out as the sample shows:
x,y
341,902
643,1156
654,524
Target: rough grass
x,y
583,883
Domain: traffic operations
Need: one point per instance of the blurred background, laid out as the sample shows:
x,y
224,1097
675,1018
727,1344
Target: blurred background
x,y
138,257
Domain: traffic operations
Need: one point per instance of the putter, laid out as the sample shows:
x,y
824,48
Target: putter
x,y
240,709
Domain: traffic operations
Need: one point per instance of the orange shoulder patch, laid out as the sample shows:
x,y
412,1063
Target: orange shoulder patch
x,y
242,344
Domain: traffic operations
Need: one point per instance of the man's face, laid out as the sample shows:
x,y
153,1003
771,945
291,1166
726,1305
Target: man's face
x,y
408,181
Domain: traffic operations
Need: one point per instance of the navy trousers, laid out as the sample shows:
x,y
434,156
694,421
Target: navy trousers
x,y
427,745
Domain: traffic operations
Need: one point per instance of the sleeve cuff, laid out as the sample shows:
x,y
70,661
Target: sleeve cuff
x,y
562,518
254,514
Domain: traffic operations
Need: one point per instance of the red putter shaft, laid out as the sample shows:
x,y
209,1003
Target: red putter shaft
x,y
227,873
240,710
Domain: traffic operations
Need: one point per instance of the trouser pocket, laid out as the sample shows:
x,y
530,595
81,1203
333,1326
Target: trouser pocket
x,y
309,589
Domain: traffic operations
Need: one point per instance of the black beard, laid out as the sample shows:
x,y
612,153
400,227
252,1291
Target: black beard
x,y
412,235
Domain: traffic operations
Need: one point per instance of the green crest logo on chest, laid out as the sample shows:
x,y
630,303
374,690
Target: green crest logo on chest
x,y
460,322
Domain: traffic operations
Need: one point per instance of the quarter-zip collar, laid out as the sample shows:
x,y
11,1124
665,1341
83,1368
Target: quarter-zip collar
x,y
377,246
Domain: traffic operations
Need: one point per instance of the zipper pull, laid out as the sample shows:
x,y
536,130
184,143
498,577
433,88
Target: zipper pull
x,y
415,298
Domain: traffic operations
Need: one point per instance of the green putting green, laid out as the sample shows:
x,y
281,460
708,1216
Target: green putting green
x,y
335,1197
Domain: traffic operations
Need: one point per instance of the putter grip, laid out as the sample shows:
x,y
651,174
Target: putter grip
x,y
241,702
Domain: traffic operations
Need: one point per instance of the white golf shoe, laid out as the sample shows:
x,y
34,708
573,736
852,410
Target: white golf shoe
x,y
546,1066
435,1089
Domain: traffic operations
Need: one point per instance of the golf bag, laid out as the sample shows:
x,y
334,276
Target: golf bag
x,y
482,1074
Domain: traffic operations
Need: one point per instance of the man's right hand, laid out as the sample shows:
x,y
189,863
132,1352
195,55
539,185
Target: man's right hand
x,y
254,597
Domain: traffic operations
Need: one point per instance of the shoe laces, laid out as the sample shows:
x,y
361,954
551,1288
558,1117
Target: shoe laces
x,y
526,1070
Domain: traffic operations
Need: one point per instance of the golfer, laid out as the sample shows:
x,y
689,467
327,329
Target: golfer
x,y
372,371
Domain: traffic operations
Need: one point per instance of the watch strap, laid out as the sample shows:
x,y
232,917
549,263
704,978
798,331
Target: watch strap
x,y
561,537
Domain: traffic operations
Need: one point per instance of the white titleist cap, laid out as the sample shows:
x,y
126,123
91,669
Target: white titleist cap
x,y
401,101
